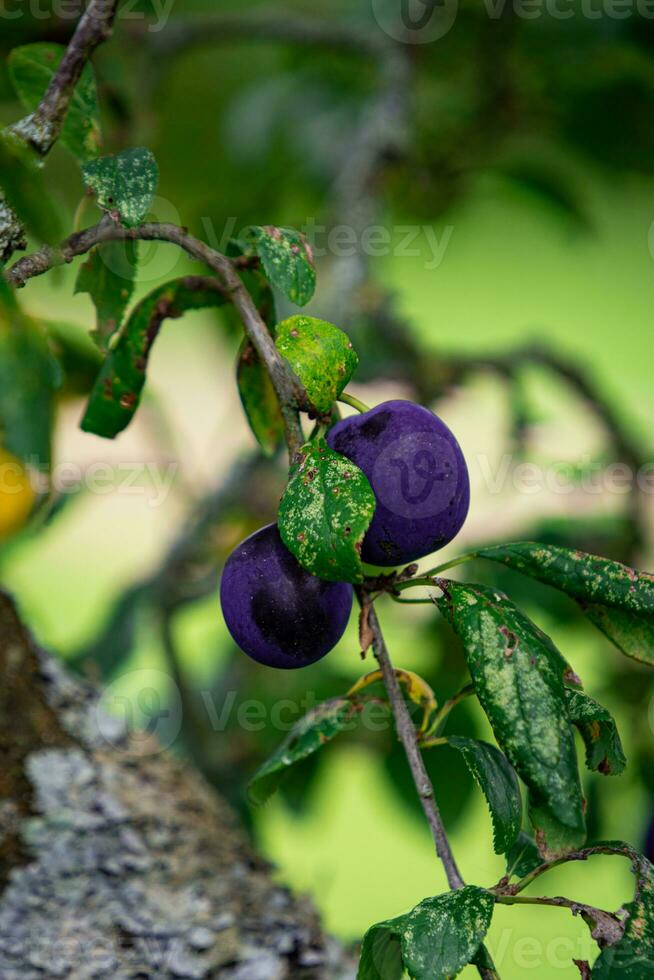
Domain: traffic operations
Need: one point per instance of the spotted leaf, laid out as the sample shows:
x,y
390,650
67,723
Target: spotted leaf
x,y
287,261
315,729
498,782
604,752
325,512
124,184
437,938
632,956
616,598
320,355
518,676
117,390
107,276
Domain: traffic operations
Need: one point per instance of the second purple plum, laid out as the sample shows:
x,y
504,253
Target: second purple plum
x,y
418,474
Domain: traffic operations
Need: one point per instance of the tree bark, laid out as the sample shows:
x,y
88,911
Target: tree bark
x,y
116,860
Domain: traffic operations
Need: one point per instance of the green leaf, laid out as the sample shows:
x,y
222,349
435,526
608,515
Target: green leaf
x,y
499,784
632,633
553,837
614,597
108,277
320,355
604,752
124,184
315,729
325,512
117,390
22,187
287,261
434,940
632,957
518,676
259,399
77,356
522,857
28,378
31,68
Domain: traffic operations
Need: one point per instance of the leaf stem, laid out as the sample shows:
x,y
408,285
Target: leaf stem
x,y
425,578
443,712
354,402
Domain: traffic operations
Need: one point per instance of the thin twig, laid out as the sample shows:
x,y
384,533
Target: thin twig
x,y
622,850
407,734
42,127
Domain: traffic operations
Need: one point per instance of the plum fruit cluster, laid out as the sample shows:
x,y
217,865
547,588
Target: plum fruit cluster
x,y
280,614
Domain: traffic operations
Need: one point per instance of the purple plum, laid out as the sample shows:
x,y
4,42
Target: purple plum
x,y
278,613
418,474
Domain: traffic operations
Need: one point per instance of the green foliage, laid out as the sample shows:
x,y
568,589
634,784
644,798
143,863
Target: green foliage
x,y
320,355
31,68
325,512
107,276
522,857
616,598
28,378
604,752
23,188
287,261
124,184
435,939
632,957
499,784
518,675
315,729
259,399
117,390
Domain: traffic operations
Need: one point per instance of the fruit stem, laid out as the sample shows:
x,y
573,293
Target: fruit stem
x,y
425,577
354,402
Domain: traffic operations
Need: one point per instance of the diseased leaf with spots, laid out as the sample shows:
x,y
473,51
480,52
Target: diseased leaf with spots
x,y
632,957
23,191
259,399
124,184
320,355
436,939
499,784
108,277
315,729
31,68
117,390
29,376
632,633
522,857
287,261
616,598
518,675
553,837
325,512
604,752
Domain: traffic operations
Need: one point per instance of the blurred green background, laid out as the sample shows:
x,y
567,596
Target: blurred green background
x,y
523,147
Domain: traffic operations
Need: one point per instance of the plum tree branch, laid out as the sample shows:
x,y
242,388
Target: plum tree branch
x,y
407,734
42,127
290,393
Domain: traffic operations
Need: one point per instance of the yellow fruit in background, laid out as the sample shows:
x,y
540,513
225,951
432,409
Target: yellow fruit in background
x,y
17,496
